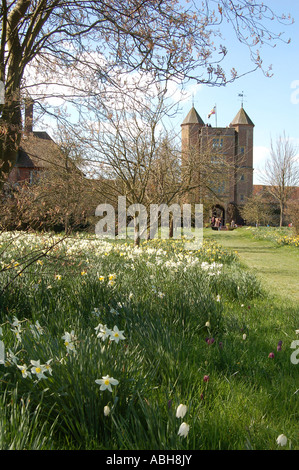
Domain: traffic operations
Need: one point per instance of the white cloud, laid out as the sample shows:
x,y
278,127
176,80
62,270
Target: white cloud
x,y
260,155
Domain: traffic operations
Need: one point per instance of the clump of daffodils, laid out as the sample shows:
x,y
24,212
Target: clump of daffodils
x,y
69,341
114,335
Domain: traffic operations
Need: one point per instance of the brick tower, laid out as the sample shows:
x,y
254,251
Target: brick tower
x,y
231,146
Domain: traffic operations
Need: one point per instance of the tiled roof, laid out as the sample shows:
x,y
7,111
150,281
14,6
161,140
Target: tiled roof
x,y
193,117
242,118
37,150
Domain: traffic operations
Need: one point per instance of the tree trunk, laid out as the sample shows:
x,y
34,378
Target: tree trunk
x,y
10,137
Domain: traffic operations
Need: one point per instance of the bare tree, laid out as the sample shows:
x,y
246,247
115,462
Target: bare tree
x,y
281,173
133,154
83,45
58,196
257,210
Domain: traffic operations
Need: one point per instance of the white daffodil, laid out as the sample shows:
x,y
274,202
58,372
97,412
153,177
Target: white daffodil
x,y
11,358
106,410
69,339
281,440
38,369
184,429
106,382
36,330
17,328
48,368
102,331
181,411
24,371
116,334
16,323
113,311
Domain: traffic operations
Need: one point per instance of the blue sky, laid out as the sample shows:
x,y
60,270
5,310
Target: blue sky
x,y
271,103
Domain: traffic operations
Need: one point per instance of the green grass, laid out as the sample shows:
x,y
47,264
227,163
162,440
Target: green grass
x,y
277,266
161,298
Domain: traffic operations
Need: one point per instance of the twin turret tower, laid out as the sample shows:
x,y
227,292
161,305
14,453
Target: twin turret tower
x,y
221,162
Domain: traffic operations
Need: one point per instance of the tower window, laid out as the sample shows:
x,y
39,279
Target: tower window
x,y
217,143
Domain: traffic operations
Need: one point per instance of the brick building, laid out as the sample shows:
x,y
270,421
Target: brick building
x,y
37,152
223,175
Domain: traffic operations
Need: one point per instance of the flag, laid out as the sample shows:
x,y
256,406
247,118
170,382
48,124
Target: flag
x,y
212,112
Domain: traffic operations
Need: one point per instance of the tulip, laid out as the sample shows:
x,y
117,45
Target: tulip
x,y
206,378
271,355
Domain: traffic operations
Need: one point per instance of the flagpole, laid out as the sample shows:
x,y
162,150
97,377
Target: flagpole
x,y
216,115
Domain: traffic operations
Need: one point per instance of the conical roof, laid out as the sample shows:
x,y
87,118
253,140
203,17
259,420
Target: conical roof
x,y
242,118
193,117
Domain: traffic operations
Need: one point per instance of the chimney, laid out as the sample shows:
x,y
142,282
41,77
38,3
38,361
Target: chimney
x,y
28,128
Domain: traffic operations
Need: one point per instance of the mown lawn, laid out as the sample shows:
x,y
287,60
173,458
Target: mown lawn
x,y
100,343
277,266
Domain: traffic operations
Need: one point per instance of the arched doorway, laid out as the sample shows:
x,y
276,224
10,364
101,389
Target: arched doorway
x,y
218,212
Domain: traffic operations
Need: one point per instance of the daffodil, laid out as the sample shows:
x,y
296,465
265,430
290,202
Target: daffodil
x,y
116,334
105,382
48,368
102,331
25,372
106,410
69,339
38,369
36,330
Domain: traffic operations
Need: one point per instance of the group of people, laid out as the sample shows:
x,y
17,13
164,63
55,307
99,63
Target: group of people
x,y
216,223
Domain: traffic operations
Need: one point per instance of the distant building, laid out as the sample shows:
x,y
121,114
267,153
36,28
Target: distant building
x,y
36,153
225,158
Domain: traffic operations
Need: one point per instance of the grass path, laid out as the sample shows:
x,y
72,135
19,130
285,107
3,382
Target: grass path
x,y
276,266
